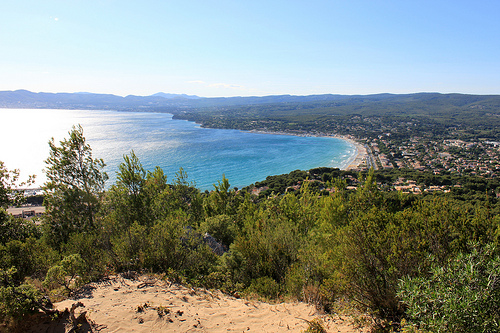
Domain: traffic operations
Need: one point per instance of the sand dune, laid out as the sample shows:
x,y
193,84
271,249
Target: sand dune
x,y
147,304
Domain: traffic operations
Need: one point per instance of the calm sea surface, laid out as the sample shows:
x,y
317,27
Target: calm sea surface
x,y
158,140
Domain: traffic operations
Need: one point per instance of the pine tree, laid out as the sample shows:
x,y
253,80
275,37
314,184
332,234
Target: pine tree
x,y
74,182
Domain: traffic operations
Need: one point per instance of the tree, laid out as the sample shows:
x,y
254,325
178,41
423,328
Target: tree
x,y
7,178
219,200
8,183
180,195
127,196
10,227
74,181
131,175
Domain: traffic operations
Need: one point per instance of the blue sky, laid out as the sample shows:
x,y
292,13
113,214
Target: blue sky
x,y
242,48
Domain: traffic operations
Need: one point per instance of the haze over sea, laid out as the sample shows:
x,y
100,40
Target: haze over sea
x,y
158,140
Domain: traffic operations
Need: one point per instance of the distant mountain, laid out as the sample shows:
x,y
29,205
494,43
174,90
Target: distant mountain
x,y
28,99
157,102
180,103
170,96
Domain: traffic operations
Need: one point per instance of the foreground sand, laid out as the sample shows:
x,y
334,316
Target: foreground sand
x,y
146,304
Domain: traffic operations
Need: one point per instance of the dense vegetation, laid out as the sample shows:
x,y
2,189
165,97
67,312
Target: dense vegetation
x,y
425,262
470,189
433,115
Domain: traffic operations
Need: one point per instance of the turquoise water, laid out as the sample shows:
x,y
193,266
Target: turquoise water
x,y
158,140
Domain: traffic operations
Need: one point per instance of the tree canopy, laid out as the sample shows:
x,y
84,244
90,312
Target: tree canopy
x,y
74,181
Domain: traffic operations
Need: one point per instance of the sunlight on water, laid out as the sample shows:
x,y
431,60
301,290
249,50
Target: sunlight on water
x,y
157,139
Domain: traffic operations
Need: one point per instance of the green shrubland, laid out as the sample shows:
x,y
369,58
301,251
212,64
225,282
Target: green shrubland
x,y
429,261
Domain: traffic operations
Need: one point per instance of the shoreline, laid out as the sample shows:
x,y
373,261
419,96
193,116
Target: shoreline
x,y
354,162
359,157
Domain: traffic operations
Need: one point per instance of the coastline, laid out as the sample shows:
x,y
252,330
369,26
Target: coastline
x,y
354,162
359,157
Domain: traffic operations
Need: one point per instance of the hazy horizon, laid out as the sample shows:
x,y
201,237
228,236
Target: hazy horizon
x,y
284,94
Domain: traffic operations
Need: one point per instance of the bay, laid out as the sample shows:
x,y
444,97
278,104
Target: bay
x,y
158,140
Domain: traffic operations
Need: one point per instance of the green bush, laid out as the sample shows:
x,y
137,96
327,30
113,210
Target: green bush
x,y
170,244
462,296
164,248
30,258
92,249
377,248
221,227
222,281
16,300
12,228
68,273
264,286
129,247
267,250
315,326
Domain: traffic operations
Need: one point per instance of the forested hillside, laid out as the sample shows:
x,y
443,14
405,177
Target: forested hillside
x,y
449,134
437,115
428,262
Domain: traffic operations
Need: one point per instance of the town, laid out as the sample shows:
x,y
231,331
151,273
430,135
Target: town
x,y
442,157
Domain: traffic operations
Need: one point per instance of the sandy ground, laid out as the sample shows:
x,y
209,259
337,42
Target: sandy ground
x,y
147,304
360,155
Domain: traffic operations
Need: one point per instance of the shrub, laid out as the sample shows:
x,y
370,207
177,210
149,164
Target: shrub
x,y
221,227
267,248
222,281
66,274
462,296
264,286
129,247
16,300
92,249
12,228
315,326
30,258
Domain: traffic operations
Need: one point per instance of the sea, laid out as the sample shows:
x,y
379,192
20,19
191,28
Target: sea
x,y
205,154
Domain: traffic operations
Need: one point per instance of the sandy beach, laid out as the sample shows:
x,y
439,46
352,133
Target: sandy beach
x,y
147,304
360,156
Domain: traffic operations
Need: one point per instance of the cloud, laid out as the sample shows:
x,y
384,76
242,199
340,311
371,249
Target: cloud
x,y
197,82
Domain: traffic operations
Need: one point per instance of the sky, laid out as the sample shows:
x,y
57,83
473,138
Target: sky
x,y
250,48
